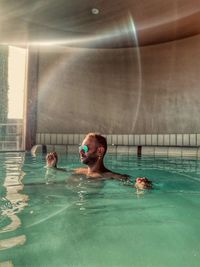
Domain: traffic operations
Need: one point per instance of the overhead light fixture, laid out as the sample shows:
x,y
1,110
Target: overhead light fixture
x,y
95,11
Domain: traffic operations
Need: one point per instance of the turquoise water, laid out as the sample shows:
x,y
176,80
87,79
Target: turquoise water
x,y
50,219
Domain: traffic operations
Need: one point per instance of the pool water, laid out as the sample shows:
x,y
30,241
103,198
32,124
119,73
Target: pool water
x,y
49,219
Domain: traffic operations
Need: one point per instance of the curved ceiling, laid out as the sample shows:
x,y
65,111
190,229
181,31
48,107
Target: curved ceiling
x,y
120,23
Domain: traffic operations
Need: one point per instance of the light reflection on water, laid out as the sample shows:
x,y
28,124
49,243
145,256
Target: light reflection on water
x,y
14,201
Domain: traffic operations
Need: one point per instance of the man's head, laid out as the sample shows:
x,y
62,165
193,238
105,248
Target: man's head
x,y
93,148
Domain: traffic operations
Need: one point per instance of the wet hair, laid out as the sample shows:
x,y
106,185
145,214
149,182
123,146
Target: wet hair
x,y
100,140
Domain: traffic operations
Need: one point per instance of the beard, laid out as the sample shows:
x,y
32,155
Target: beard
x,y
89,160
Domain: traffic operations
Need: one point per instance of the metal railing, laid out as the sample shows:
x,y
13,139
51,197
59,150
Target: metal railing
x,y
11,136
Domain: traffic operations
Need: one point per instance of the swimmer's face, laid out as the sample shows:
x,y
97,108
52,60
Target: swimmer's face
x,y
91,156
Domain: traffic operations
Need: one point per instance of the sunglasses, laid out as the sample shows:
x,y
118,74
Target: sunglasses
x,y
84,148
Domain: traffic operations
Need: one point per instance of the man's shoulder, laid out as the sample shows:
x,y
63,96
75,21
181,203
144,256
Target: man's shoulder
x,y
81,170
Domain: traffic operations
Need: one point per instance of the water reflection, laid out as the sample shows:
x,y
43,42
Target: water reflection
x,y
6,264
13,202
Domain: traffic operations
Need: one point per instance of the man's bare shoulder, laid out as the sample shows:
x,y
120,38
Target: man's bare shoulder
x,y
81,170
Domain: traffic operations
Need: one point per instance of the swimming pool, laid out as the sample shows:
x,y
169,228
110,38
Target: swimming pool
x,y
47,221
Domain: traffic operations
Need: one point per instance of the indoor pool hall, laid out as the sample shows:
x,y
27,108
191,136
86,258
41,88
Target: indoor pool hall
x,y
99,133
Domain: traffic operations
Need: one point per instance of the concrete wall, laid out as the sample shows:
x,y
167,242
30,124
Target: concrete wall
x,y
151,90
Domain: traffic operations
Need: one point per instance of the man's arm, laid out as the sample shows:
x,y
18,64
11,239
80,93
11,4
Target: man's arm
x,y
117,176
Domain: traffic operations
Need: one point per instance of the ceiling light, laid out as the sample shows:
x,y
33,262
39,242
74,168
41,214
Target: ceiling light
x,y
95,11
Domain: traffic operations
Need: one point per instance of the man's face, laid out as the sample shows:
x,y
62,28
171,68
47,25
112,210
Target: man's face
x,y
91,156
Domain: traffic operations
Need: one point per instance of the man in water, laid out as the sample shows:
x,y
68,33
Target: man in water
x,y
92,152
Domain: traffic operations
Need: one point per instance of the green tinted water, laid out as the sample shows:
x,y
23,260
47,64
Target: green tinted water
x,y
46,220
